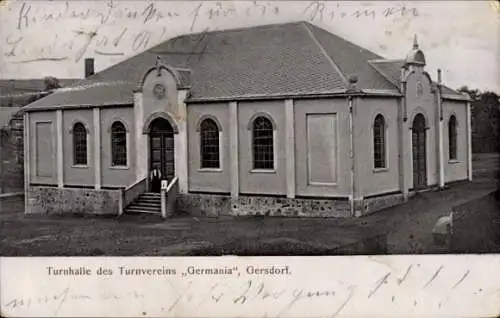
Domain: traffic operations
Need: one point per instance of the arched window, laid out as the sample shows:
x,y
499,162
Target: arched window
x,y
263,143
118,144
79,144
452,138
379,142
209,144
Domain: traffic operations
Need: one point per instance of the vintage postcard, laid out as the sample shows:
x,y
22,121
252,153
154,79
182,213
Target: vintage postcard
x,y
249,158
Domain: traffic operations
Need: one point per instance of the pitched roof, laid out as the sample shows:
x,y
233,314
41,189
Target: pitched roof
x,y
273,60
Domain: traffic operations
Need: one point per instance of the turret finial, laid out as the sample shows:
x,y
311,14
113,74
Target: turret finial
x,y
415,42
158,63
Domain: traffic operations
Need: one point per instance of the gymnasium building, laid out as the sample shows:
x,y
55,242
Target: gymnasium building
x,y
280,120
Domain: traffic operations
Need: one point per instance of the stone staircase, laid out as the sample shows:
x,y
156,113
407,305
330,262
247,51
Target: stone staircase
x,y
148,202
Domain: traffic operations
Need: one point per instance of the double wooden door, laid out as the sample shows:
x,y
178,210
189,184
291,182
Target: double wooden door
x,y
162,150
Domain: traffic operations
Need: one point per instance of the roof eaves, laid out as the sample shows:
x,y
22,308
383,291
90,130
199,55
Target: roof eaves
x,y
30,108
380,92
456,97
264,96
323,51
332,93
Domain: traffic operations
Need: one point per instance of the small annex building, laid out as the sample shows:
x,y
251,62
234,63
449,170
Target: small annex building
x,y
285,119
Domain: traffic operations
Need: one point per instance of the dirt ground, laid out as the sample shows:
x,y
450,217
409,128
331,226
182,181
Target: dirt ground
x,y
405,229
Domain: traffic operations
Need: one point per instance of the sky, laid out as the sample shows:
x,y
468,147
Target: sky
x,y
52,38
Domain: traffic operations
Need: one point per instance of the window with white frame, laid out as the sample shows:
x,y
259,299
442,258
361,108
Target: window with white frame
x,y
263,143
452,138
118,144
209,144
79,144
379,155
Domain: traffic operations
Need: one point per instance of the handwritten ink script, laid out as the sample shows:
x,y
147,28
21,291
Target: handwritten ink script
x,y
269,290
118,28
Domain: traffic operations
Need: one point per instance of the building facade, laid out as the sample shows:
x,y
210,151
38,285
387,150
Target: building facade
x,y
285,120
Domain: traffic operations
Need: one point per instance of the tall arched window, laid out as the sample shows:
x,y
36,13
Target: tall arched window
x,y
118,144
379,142
452,138
263,143
209,144
79,144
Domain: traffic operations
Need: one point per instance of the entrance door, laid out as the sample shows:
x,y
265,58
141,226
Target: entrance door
x,y
419,152
161,143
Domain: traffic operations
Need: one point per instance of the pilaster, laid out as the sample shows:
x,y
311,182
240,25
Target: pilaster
x,y
141,140
59,153
27,160
97,147
181,143
290,148
441,165
233,149
469,142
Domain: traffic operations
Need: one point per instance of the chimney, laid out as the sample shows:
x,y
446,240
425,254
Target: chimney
x,y
89,67
439,76
353,80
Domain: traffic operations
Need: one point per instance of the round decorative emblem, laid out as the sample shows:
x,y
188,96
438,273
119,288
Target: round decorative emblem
x,y
159,91
420,89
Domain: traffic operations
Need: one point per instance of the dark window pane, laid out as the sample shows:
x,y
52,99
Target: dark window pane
x,y
118,144
263,144
379,142
209,144
452,138
79,144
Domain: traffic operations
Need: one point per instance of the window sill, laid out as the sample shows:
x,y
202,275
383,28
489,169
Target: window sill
x,y
210,170
119,167
80,166
262,171
380,170
453,161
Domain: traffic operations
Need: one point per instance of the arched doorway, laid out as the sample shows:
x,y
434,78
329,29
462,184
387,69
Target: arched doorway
x,y
161,147
419,153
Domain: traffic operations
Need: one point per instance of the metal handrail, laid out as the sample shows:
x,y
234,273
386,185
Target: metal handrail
x,y
135,183
174,180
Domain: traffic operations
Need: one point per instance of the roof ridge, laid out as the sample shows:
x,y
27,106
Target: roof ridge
x,y
305,24
343,39
236,29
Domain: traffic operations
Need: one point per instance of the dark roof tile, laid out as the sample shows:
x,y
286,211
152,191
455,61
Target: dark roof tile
x,y
281,59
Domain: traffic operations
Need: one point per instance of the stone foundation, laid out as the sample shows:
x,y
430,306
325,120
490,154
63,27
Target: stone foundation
x,y
203,204
375,204
219,205
57,201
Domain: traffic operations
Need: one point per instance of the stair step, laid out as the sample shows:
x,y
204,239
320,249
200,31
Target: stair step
x,y
152,203
151,194
139,211
147,203
144,207
149,199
